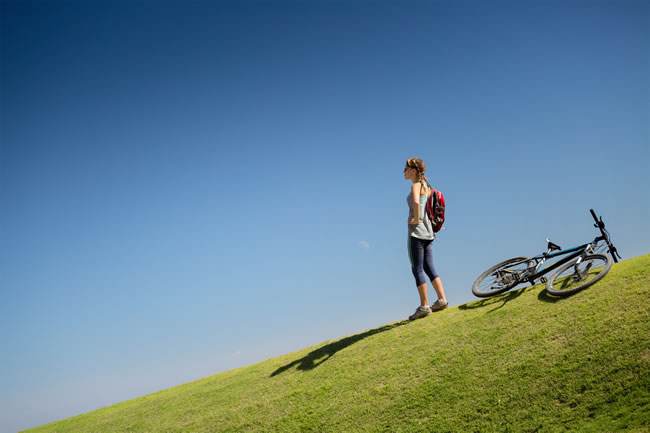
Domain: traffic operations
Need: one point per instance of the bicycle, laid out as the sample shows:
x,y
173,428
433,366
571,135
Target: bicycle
x,y
585,265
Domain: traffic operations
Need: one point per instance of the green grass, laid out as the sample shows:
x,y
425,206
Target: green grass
x,y
520,362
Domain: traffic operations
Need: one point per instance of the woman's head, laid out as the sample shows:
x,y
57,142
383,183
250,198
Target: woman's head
x,y
414,169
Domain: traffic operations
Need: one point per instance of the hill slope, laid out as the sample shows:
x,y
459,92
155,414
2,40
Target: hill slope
x,y
520,362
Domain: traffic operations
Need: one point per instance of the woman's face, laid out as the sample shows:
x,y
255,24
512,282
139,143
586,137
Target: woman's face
x,y
408,172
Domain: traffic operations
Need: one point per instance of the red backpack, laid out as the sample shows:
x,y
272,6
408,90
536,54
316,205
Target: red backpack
x,y
435,209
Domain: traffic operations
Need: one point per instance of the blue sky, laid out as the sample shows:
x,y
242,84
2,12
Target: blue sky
x,y
191,187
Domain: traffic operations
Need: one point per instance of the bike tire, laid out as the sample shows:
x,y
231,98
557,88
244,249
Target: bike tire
x,y
556,285
504,264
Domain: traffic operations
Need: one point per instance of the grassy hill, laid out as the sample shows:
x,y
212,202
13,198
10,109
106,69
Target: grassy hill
x,y
521,362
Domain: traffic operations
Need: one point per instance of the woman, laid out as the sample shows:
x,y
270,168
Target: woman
x,y
420,239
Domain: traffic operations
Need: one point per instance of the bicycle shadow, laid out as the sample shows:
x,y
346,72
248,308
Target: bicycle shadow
x,y
316,357
503,298
547,297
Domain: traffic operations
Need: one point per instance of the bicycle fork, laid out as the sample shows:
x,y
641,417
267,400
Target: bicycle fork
x,y
577,274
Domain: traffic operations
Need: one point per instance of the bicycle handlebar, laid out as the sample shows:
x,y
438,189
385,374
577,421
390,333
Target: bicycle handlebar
x,y
600,224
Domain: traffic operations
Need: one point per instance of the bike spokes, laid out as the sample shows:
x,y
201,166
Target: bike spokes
x,y
575,276
502,278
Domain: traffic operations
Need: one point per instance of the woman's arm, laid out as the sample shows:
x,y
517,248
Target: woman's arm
x,y
415,202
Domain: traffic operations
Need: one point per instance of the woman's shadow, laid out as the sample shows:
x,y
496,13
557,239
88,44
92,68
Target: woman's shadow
x,y
317,357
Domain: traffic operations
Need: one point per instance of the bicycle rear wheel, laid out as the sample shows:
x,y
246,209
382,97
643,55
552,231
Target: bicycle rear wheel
x,y
573,277
500,277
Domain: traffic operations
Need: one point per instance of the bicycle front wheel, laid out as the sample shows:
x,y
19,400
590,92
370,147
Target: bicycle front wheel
x,y
573,277
500,277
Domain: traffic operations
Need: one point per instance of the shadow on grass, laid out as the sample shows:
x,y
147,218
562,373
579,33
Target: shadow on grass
x,y
317,357
503,299
547,297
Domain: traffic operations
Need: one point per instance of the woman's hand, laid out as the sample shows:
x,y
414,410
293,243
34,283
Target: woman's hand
x,y
414,221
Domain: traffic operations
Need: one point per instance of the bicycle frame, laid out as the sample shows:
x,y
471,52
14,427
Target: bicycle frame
x,y
536,271
574,253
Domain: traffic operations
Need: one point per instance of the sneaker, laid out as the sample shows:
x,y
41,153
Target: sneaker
x,y
420,312
439,305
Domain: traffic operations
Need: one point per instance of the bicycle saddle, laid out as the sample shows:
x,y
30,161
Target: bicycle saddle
x,y
552,246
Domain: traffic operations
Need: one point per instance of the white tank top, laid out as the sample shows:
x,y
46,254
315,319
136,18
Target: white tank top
x,y
423,230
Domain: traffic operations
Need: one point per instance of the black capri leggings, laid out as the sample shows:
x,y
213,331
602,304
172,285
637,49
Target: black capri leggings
x,y
421,257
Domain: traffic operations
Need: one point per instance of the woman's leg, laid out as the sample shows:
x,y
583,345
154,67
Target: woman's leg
x,y
416,256
422,291
432,274
440,289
